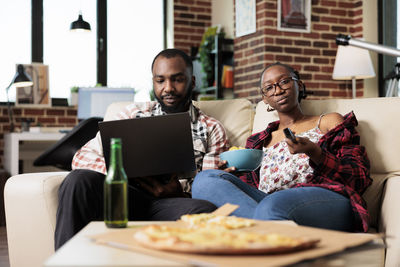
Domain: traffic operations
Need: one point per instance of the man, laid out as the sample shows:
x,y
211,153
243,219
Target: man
x,y
150,198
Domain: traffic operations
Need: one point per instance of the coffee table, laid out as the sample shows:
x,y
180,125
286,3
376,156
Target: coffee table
x,y
81,251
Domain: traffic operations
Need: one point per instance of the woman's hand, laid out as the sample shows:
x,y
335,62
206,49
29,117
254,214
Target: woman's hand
x,y
304,145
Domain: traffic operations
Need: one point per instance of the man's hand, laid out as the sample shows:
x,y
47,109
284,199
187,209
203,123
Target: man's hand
x,y
161,188
222,166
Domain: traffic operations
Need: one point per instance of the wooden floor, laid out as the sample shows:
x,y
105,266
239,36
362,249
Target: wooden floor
x,y
4,262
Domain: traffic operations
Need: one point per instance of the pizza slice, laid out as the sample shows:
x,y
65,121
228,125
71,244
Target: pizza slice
x,y
218,241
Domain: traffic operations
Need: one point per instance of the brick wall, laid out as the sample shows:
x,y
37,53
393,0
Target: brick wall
x,y
46,117
312,54
191,18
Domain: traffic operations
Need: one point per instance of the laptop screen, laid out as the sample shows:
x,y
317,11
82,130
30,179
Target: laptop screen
x,y
152,145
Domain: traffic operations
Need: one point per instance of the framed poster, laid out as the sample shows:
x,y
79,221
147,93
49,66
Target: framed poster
x,y
294,15
38,93
245,17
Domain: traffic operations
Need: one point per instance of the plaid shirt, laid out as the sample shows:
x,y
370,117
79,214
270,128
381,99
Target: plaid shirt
x,y
344,166
209,140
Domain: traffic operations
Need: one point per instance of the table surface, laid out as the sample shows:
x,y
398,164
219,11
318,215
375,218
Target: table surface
x,y
81,251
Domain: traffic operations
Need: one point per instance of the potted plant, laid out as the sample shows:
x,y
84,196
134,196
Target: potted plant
x,y
206,58
73,100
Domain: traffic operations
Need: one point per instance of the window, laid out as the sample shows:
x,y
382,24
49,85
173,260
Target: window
x,y
134,34
71,56
15,45
388,36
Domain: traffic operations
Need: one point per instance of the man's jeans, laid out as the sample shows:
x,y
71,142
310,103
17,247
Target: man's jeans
x,y
311,206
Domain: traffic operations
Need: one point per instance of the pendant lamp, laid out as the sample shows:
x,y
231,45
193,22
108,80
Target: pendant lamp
x,y
80,24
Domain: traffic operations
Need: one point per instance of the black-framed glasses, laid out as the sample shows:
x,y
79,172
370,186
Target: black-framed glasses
x,y
283,84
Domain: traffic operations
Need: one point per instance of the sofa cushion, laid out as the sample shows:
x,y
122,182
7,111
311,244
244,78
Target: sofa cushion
x,y
236,115
377,125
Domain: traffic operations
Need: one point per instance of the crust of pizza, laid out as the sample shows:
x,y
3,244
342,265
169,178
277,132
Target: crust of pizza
x,y
211,220
218,241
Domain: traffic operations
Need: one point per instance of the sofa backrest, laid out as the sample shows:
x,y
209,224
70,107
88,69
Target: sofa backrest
x,y
379,125
236,115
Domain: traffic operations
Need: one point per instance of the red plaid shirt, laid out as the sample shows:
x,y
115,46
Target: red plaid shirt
x,y
344,167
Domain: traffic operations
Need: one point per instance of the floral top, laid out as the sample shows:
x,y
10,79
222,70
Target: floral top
x,y
280,169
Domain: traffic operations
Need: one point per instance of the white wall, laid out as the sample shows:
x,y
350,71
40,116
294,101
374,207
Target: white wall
x,y
370,34
223,13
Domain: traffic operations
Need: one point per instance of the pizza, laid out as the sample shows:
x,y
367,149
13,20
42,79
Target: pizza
x,y
214,220
217,240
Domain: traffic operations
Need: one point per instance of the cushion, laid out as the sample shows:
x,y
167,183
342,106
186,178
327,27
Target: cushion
x,y
378,126
236,115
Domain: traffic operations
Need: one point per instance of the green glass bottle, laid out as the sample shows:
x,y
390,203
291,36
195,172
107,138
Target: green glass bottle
x,y
116,189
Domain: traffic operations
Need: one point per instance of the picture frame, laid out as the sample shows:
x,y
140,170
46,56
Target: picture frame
x,y
294,15
245,13
38,93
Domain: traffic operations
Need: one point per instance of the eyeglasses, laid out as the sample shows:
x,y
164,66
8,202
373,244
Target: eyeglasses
x,y
283,84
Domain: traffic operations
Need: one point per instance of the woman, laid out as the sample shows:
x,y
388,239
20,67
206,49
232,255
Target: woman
x,y
316,180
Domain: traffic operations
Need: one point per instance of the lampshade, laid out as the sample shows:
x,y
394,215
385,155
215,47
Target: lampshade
x,y
352,63
21,78
80,24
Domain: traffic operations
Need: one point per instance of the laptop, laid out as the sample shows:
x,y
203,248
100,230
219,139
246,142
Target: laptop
x,y
152,146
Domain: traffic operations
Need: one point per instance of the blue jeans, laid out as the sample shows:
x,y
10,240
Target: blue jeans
x,y
310,206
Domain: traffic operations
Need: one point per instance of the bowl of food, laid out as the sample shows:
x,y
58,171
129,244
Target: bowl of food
x,y
243,159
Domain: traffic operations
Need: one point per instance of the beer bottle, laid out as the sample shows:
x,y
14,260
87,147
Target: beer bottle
x,y
116,189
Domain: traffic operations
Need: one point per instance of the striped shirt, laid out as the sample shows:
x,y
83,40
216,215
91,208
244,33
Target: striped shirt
x,y
209,140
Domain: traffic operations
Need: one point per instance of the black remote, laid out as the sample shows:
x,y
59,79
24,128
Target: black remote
x,y
289,134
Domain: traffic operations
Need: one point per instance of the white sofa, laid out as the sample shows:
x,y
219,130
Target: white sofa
x,y
31,199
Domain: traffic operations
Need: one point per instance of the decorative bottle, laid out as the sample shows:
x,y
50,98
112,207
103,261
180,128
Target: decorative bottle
x,y
116,189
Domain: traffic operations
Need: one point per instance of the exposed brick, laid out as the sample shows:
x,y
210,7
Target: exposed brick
x,y
55,112
329,52
311,68
47,120
321,60
329,19
321,44
283,58
346,4
302,42
315,18
186,15
283,41
320,27
67,120
33,112
270,48
319,10
302,59
293,50
339,28
338,12
320,93
311,52
329,3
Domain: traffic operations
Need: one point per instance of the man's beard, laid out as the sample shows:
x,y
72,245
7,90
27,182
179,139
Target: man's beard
x,y
182,106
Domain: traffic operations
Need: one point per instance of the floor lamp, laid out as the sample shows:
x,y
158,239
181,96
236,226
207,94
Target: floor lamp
x,y
21,79
352,63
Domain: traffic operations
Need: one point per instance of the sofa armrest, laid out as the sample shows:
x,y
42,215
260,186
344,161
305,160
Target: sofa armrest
x,y
31,202
390,219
